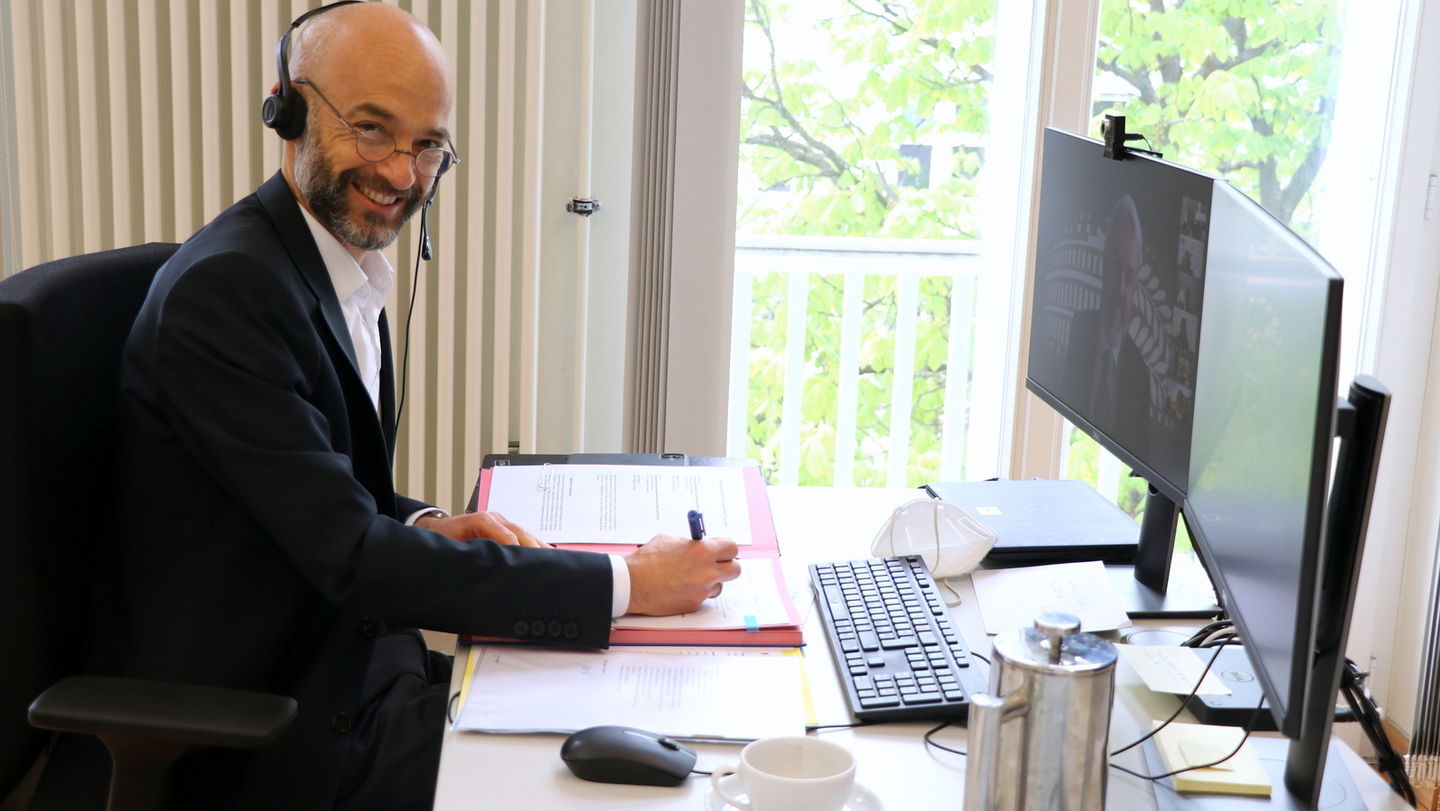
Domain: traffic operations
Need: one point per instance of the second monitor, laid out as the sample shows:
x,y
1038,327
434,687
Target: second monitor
x,y
1115,326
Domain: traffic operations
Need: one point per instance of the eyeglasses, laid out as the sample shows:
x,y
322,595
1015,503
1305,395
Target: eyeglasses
x,y
375,144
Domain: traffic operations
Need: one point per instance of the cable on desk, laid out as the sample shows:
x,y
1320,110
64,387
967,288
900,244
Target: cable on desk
x,y
1147,736
1201,635
1226,638
930,741
1152,777
450,707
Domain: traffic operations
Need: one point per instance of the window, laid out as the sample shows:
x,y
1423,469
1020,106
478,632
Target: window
x,y
872,275
1257,94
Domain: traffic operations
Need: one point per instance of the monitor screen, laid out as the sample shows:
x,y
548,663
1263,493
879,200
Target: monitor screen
x,y
1115,320
1263,421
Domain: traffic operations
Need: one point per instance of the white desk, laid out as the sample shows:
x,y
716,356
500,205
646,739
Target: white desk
x,y
813,524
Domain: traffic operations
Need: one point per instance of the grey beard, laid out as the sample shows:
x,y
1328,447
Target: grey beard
x,y
325,193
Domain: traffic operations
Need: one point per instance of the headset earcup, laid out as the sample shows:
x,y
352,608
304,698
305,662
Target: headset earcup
x,y
284,113
270,110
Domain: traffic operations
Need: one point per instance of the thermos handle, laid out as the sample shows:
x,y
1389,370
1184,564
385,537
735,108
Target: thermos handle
x,y
982,747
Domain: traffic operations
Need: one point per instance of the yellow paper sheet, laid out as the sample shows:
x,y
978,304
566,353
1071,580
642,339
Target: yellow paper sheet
x,y
1184,745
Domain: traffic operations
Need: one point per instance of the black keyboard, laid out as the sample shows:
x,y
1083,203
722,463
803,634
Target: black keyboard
x,y
899,655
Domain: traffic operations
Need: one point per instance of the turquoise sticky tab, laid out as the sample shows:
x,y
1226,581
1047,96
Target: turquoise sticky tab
x,y
751,624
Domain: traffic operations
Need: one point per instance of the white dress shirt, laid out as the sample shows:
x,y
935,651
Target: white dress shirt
x,y
362,287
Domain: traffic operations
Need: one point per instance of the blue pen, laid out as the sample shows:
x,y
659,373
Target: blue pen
x,y
697,525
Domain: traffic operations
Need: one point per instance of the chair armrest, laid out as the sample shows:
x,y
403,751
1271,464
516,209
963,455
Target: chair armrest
x,y
164,711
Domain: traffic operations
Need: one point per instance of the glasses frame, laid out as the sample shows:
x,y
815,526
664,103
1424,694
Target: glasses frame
x,y
414,156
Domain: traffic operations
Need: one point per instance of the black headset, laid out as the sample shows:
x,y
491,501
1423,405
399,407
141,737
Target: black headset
x,y
284,110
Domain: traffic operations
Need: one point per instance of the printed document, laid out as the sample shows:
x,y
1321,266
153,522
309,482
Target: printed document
x,y
1011,598
572,504
701,694
1173,669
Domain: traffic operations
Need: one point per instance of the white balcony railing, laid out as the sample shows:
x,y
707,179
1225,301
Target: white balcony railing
x,y
967,433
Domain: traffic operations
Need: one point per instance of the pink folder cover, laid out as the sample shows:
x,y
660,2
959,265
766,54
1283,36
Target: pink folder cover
x,y
763,544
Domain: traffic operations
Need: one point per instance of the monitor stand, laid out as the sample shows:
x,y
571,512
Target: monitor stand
x,y
1148,589
1337,790
1187,595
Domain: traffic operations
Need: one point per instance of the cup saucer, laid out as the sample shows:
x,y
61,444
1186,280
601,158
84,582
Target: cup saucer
x,y
861,798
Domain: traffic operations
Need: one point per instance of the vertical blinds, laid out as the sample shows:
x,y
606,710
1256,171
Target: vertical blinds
x,y
128,121
1423,760
657,63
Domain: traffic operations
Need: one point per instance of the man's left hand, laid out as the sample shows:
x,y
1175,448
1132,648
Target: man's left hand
x,y
492,525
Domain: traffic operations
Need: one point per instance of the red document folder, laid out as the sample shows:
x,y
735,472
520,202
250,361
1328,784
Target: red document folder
x,y
763,546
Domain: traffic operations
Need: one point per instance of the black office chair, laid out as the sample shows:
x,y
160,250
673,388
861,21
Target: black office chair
x,y
62,327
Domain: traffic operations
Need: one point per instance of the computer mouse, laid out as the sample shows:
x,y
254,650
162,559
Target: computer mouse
x,y
617,754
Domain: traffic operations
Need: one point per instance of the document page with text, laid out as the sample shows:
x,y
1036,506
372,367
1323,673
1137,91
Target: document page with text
x,y
728,694
607,504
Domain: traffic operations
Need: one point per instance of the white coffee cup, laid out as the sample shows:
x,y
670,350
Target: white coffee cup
x,y
790,774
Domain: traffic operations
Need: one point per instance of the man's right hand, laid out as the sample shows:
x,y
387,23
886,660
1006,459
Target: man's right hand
x,y
672,575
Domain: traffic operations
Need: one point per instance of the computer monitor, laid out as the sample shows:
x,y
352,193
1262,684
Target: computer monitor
x,y
1264,423
1115,321
1234,415
1119,270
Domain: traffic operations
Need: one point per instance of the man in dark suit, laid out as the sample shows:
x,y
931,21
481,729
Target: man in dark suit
x,y
262,543
1119,384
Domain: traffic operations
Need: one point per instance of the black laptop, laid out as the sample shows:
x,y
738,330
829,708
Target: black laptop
x,y
1045,520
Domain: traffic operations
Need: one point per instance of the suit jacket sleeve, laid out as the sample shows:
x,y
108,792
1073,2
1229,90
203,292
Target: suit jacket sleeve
x,y
250,382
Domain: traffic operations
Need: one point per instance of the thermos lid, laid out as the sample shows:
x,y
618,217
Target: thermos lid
x,y
1055,644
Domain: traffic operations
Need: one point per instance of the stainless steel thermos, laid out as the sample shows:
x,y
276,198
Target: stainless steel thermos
x,y
1038,739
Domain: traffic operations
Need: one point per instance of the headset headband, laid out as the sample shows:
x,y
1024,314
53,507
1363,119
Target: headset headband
x,y
284,110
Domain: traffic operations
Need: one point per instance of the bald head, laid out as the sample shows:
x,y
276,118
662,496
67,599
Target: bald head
x,y
369,43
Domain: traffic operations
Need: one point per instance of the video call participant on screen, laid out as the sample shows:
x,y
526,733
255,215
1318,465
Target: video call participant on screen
x,y
261,543
1119,383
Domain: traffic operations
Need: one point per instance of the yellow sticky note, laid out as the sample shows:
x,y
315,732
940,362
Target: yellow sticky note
x,y
1183,745
1207,752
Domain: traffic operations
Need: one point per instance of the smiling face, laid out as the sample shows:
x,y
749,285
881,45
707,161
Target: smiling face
x,y
357,205
381,70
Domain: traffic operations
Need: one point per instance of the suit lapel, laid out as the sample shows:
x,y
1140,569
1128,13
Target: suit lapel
x,y
284,211
373,437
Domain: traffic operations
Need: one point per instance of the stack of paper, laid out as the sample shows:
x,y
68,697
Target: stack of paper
x,y
1013,598
614,508
753,609
699,694
1185,745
